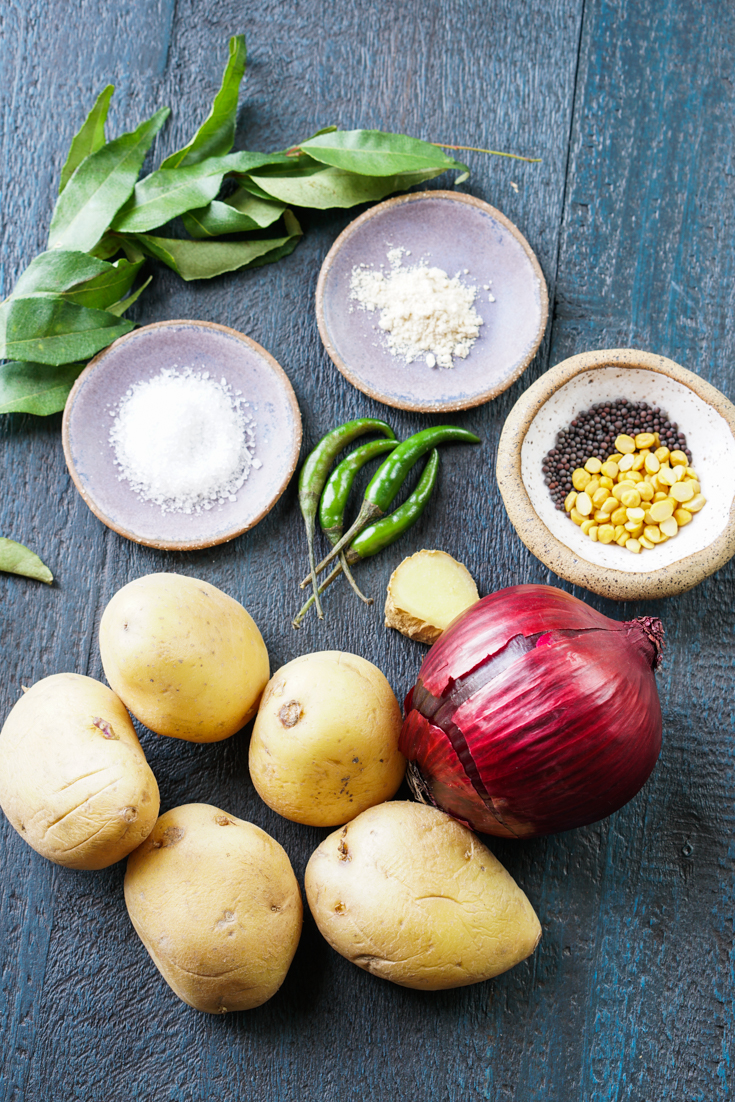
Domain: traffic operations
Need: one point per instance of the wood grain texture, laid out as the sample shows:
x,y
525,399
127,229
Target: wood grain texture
x,y
630,105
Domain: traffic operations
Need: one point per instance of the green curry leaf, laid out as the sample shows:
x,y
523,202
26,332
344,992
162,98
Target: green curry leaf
x,y
36,388
17,559
238,214
89,138
374,153
217,133
119,308
169,192
321,187
58,270
47,329
100,186
77,277
205,259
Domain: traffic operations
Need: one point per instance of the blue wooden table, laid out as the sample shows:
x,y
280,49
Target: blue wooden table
x,y
629,103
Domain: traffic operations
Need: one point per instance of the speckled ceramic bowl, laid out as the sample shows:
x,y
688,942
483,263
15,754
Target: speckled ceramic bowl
x,y
705,416
203,346
461,235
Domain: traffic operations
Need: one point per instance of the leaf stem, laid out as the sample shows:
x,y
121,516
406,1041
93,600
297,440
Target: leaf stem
x,y
493,152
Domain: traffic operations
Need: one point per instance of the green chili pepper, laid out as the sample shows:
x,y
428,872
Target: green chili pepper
x,y
389,478
314,474
385,531
336,492
381,533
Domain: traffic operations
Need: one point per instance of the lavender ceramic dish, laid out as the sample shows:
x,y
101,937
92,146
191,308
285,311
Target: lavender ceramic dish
x,y
141,355
459,234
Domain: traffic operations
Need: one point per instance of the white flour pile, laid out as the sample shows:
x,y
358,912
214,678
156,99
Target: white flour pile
x,y
183,440
423,312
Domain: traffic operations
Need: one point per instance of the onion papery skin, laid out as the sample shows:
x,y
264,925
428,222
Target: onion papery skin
x,y
556,736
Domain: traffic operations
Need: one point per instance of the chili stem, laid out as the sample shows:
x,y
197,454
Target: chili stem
x,y
348,574
312,577
493,152
296,622
368,512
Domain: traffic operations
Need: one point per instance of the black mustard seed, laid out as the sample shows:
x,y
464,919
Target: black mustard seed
x,y
593,433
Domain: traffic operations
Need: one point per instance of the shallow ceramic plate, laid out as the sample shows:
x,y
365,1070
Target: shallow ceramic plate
x,y
703,414
202,346
453,232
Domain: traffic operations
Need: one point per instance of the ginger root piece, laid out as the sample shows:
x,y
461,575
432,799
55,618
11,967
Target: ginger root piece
x,y
426,592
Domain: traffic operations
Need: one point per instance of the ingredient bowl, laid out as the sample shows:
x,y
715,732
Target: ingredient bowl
x,y
463,237
705,415
253,379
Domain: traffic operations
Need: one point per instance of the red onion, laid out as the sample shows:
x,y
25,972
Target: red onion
x,y
533,713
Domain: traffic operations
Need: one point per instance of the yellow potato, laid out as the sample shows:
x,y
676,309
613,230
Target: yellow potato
x,y
216,904
74,781
410,895
186,659
325,740
426,592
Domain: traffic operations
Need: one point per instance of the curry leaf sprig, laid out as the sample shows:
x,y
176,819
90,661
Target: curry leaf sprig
x,y
234,210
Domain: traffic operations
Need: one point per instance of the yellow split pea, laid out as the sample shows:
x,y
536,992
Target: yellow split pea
x,y
644,494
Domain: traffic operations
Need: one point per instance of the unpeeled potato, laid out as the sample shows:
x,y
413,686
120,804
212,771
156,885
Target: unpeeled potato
x,y
409,894
74,781
426,592
325,740
186,659
216,904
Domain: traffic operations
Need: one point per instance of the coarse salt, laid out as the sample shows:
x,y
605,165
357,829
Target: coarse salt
x,y
423,312
183,440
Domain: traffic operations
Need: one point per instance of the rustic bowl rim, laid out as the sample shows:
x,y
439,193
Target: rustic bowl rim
x,y
182,545
451,405
618,585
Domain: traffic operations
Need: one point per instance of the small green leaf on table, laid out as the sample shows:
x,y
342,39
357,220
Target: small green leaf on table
x,y
46,329
17,559
36,388
89,138
217,133
101,185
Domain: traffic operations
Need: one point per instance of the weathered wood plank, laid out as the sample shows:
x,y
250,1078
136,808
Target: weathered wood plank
x,y
646,261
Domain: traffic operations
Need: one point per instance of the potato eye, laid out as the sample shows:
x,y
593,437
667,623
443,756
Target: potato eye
x,y
290,713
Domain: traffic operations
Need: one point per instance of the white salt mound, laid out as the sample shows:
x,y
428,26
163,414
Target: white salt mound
x,y
423,312
183,440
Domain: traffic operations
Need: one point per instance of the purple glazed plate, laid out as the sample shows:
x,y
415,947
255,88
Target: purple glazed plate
x,y
142,354
454,232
